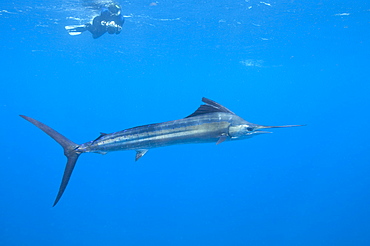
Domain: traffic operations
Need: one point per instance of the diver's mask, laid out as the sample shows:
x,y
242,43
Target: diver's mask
x,y
114,9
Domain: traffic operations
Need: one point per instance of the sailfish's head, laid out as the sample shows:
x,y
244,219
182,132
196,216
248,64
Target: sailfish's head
x,y
247,130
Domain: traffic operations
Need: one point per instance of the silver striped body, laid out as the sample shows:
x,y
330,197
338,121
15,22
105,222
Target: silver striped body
x,y
199,129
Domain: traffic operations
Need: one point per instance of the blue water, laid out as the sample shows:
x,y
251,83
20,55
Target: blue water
x,y
271,62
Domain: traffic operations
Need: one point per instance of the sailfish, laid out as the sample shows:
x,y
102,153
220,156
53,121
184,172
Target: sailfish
x,y
211,122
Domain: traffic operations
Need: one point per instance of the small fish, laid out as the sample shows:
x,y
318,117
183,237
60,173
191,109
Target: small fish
x,y
211,122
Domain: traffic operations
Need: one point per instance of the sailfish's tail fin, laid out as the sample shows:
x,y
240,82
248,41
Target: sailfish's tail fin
x,y
70,151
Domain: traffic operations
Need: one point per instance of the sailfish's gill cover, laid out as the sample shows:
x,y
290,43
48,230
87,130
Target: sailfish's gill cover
x,y
211,122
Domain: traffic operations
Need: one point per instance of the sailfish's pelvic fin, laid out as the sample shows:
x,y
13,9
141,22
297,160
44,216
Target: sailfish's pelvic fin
x,y
140,153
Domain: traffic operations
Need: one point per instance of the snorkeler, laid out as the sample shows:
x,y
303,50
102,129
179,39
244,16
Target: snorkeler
x,y
110,20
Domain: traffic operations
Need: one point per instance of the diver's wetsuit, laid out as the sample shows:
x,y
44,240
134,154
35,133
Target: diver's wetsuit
x,y
110,20
105,22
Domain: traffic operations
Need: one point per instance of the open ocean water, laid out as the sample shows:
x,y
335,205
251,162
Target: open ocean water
x,y
271,62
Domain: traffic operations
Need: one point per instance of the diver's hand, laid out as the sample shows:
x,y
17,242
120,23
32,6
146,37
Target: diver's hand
x,y
112,24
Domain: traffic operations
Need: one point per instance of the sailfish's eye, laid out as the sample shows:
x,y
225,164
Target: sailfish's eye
x,y
249,129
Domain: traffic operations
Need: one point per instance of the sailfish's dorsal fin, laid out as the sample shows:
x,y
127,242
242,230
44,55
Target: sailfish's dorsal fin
x,y
209,107
101,135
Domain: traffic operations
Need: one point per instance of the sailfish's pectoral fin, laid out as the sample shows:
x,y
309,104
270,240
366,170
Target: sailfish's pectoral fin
x,y
140,153
223,138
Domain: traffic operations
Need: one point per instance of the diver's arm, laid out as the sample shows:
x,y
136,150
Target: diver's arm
x,y
118,20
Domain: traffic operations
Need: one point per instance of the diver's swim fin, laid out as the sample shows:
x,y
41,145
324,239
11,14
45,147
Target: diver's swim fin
x,y
75,30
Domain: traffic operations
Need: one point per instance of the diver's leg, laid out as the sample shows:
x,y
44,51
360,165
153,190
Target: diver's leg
x,y
96,32
75,30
